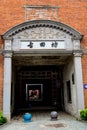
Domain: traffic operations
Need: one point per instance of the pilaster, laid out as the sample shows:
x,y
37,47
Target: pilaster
x,y
79,82
7,79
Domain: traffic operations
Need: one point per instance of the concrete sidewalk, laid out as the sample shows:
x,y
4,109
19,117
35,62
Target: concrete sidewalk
x,y
42,121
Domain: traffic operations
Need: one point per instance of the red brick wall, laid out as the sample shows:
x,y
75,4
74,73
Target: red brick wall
x,y
70,12
84,65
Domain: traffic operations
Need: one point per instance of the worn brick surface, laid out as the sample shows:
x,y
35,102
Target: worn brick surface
x,y
70,12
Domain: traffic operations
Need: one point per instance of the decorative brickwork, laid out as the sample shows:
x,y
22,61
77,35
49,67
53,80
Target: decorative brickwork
x,y
41,12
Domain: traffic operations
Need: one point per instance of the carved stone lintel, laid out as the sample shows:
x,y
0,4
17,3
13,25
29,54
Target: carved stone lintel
x,y
41,33
43,23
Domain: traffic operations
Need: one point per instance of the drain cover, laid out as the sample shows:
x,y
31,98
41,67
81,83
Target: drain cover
x,y
56,125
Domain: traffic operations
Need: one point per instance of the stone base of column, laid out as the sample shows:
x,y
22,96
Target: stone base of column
x,y
8,116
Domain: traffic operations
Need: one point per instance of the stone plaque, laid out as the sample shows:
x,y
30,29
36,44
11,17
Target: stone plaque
x,y
27,44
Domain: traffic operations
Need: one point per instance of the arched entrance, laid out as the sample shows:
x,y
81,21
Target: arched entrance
x,y
41,67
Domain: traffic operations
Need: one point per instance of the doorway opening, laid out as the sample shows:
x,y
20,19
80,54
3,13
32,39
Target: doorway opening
x,y
38,87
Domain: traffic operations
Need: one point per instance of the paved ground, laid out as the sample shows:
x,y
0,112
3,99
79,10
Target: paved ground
x,y
42,121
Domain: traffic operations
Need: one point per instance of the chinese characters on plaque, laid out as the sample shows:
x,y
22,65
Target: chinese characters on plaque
x,y
26,44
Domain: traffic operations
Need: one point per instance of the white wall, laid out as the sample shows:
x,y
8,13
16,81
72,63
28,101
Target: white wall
x,y
67,75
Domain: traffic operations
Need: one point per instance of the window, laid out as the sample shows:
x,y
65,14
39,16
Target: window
x,y
73,80
68,91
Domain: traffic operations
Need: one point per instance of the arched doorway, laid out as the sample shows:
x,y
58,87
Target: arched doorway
x,y
42,56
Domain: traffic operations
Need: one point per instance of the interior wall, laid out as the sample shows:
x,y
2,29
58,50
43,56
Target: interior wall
x,y
70,107
13,90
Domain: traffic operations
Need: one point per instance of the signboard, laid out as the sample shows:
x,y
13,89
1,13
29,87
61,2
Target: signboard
x,y
57,44
85,86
